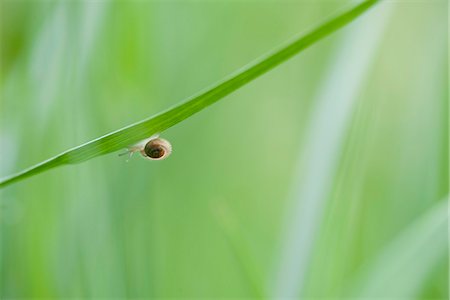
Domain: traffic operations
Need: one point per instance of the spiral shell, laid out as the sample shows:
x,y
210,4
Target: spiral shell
x,y
156,149
152,148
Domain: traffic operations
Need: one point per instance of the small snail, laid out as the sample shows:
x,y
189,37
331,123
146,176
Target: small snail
x,y
153,148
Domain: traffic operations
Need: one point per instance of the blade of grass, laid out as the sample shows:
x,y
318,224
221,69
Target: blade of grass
x,y
396,272
122,138
316,169
231,228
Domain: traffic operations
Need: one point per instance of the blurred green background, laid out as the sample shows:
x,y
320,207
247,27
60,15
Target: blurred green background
x,y
325,178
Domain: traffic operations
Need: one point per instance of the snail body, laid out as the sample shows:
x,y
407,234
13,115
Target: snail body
x,y
153,148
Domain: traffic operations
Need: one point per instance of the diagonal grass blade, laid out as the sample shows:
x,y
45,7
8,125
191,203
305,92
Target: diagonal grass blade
x,y
123,137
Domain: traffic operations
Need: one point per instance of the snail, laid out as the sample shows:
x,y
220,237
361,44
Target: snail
x,y
153,148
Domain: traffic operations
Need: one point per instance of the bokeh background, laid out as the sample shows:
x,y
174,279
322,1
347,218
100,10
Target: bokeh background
x,y
325,178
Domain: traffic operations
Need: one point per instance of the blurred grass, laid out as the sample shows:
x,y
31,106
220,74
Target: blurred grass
x,y
156,124
330,118
110,229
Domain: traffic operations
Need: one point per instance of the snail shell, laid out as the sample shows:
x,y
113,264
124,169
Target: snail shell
x,y
153,148
156,149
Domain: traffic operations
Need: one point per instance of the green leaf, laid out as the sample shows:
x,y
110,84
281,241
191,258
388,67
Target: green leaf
x,y
155,124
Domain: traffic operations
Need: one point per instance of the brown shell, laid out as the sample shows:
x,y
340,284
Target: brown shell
x,y
157,149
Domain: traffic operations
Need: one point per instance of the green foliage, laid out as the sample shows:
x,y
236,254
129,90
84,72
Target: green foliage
x,y
218,218
156,124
